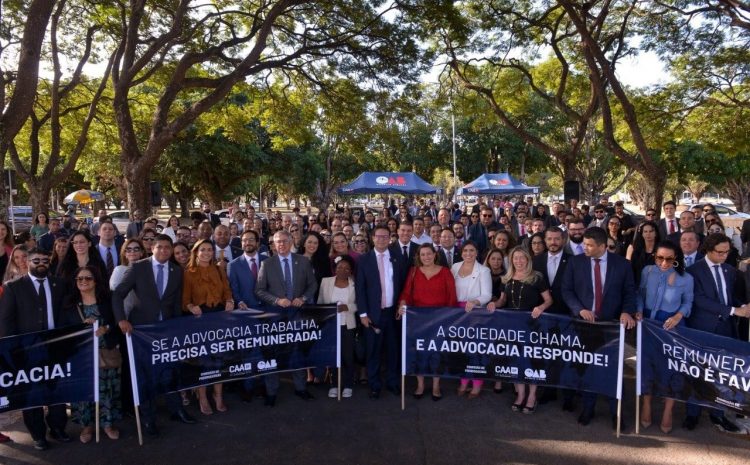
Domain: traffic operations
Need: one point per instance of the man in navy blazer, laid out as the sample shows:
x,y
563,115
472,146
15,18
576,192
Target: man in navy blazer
x,y
606,296
376,308
405,230
715,308
24,309
545,264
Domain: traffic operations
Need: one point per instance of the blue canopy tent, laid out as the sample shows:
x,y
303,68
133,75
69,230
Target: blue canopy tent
x,y
371,182
497,184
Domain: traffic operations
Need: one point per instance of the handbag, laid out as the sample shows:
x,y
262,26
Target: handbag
x,y
108,358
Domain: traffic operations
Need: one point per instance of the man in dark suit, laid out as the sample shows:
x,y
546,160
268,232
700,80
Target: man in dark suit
x,y
286,280
108,243
715,308
404,248
599,286
135,226
380,278
687,223
157,283
210,216
552,264
669,224
225,253
243,276
29,304
745,237
47,241
689,244
448,253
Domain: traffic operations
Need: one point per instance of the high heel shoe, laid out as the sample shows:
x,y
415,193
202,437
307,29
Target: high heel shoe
x,y
516,407
437,397
530,410
205,407
474,394
112,433
219,401
462,390
418,395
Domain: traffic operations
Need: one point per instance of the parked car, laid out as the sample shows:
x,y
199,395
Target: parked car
x,y
22,217
121,219
724,211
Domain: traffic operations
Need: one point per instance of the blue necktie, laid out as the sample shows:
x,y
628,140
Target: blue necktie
x,y
160,280
688,261
288,280
719,285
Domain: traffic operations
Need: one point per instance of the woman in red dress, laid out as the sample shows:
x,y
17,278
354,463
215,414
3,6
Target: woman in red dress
x,y
428,285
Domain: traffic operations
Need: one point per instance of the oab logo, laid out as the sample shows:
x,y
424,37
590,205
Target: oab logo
x,y
530,373
240,368
4,402
381,180
267,364
506,371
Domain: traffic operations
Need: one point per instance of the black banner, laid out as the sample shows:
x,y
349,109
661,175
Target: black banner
x,y
693,366
47,368
187,352
512,346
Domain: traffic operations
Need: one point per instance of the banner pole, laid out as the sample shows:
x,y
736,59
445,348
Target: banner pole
x,y
96,380
638,335
403,361
134,379
620,363
338,350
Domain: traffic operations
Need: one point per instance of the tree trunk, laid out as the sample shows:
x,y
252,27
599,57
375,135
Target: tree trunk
x,y
39,197
740,195
172,202
184,207
653,192
138,188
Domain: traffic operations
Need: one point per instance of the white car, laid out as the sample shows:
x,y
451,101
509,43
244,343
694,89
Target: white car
x,y
121,219
724,211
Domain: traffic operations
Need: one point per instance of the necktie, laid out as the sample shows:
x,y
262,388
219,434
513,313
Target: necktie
x,y
449,258
671,226
579,249
552,272
221,255
254,267
523,230
288,280
406,252
110,261
688,261
719,285
43,303
381,270
160,280
597,288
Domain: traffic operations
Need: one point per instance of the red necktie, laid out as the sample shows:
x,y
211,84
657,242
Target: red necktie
x,y
671,226
523,230
597,288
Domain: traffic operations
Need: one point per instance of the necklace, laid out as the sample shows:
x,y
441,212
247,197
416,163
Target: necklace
x,y
516,303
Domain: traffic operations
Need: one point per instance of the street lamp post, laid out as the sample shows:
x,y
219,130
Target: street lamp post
x,y
453,127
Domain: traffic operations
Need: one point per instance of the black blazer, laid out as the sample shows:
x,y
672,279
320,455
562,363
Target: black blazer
x,y
396,251
539,264
442,258
20,312
140,278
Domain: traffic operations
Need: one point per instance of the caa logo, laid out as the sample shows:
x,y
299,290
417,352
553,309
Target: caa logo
x,y
507,371
4,402
381,180
267,365
241,368
535,374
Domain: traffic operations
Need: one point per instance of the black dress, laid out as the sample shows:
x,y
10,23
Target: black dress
x,y
525,296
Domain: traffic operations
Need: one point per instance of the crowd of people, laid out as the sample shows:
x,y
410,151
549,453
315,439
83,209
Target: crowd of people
x,y
597,264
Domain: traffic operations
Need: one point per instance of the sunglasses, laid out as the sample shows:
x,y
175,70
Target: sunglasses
x,y
82,279
37,261
149,239
659,259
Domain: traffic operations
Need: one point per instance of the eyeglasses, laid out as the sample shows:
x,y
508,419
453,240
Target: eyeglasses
x,y
659,259
486,216
133,249
82,279
37,261
650,214
149,239
475,216
359,242
293,230
719,252
537,243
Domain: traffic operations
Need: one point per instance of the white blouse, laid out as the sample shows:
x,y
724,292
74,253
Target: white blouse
x,y
476,286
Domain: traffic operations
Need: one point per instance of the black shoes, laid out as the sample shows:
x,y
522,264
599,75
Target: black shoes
x,y
418,395
270,401
183,417
59,435
41,444
304,394
585,418
722,424
690,423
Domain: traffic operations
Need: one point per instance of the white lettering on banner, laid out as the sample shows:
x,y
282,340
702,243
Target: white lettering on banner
x,y
701,358
710,375
34,375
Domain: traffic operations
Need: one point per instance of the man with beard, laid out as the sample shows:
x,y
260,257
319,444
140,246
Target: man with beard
x,y
29,304
243,275
458,231
576,229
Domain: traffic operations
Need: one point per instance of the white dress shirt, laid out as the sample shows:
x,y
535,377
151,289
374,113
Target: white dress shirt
x,y
48,292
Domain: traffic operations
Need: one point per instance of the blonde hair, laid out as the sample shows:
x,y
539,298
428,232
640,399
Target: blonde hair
x,y
529,276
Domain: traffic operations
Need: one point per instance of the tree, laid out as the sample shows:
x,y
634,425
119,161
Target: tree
x,y
203,51
64,110
18,83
